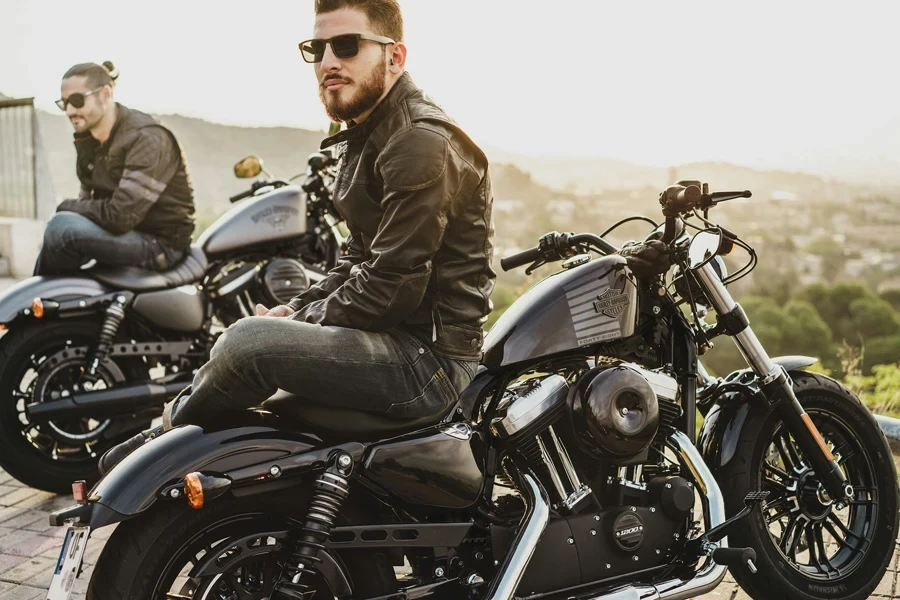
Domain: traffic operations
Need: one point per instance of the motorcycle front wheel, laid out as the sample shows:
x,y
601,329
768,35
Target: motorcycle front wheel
x,y
809,546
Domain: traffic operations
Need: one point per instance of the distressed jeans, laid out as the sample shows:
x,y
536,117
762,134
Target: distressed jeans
x,y
71,240
391,373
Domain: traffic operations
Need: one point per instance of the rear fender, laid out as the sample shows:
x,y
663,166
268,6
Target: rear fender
x,y
246,455
730,410
21,295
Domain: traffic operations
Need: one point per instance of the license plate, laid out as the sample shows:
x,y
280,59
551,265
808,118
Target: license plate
x,y
69,563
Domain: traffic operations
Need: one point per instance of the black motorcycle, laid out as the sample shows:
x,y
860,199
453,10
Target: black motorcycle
x,y
89,360
568,469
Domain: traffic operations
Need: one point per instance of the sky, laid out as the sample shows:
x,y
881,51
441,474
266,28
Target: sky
x,y
656,83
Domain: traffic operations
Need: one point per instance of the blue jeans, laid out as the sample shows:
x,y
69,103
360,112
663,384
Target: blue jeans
x,y
71,240
392,373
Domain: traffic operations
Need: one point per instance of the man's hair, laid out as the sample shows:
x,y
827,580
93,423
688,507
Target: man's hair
x,y
384,15
96,75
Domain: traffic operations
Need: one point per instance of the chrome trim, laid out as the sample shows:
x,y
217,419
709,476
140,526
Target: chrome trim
x,y
233,285
530,405
554,475
537,515
460,431
575,497
664,386
566,461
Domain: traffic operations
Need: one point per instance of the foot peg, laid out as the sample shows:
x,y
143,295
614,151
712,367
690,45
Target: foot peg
x,y
699,545
736,557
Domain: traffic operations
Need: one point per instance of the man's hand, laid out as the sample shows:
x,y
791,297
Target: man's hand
x,y
278,311
647,259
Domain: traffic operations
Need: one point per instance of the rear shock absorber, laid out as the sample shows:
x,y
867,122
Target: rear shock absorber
x,y
115,314
329,492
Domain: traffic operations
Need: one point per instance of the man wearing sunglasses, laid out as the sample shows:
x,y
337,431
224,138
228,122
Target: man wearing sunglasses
x,y
136,204
396,327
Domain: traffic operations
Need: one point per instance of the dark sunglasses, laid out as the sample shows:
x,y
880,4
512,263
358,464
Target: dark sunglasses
x,y
343,46
76,100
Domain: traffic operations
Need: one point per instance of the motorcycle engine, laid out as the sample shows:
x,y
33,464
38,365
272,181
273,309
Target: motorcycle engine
x,y
611,500
283,279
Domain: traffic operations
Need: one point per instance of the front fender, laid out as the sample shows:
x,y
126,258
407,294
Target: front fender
x,y
135,484
21,295
729,411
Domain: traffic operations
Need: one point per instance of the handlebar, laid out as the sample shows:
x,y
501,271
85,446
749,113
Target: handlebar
x,y
556,246
242,195
520,259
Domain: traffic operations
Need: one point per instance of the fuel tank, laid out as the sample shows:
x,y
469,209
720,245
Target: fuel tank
x,y
278,215
595,302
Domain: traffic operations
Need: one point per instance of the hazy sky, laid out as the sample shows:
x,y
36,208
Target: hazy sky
x,y
651,82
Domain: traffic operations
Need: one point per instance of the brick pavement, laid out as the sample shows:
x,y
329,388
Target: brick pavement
x,y
29,548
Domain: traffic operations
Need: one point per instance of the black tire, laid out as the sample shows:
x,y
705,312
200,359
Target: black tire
x,y
800,519
21,454
142,554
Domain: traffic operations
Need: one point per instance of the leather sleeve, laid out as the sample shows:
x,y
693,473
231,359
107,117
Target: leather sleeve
x,y
336,276
150,163
383,291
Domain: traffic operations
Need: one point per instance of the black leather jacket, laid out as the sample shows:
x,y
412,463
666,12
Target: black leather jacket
x,y
137,179
416,195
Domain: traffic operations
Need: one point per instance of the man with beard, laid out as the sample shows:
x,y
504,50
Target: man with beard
x,y
136,203
396,327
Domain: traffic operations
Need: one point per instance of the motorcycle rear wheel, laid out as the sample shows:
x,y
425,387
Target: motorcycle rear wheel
x,y
151,555
34,360
809,547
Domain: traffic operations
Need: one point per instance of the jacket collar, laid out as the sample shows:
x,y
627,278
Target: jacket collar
x,y
403,88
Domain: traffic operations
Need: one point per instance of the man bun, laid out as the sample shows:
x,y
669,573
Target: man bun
x,y
111,68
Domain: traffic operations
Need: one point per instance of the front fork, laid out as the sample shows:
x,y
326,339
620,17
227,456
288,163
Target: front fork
x,y
775,384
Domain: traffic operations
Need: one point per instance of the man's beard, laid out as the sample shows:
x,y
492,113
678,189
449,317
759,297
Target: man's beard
x,y
365,98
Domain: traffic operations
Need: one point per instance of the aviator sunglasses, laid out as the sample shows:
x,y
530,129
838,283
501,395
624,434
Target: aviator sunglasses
x,y
343,46
76,100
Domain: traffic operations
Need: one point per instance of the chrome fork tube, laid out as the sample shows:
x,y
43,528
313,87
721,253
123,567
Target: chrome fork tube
x,y
723,303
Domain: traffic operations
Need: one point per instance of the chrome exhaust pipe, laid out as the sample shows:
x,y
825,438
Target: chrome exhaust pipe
x,y
710,576
531,527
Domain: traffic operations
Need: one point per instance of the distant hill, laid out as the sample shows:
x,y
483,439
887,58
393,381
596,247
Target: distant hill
x,y
212,149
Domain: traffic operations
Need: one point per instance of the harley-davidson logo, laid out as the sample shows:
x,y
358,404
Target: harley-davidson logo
x,y
276,216
611,303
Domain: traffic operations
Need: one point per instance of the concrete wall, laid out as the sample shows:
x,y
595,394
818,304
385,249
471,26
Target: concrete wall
x,y
20,241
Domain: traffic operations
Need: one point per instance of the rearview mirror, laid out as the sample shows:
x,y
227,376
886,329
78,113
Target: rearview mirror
x,y
248,167
704,247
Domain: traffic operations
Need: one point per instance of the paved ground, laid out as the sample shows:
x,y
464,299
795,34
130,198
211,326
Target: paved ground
x,y
29,548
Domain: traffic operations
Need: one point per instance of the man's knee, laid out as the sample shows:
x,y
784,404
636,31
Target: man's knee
x,y
239,342
65,228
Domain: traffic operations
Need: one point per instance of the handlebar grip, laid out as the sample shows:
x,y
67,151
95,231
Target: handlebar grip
x,y
522,258
241,196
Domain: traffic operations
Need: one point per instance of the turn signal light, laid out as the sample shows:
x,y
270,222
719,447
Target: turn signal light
x,y
37,308
79,491
194,490
199,488
2,326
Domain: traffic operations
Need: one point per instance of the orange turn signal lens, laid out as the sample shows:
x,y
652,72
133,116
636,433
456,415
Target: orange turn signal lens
x,y
194,490
37,308
2,326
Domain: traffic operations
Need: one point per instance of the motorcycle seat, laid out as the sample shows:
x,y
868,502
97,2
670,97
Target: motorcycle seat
x,y
362,426
189,270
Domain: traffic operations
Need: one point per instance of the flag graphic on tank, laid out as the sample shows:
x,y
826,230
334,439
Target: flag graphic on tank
x,y
595,307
